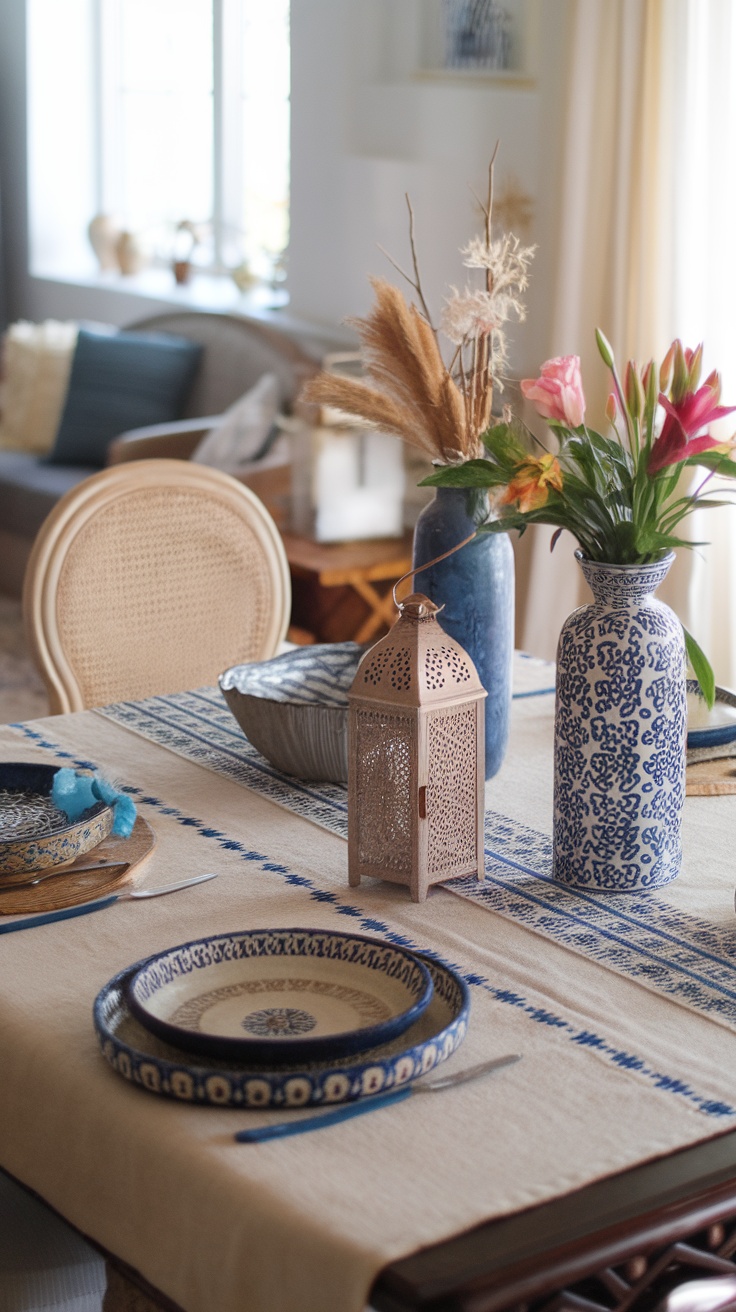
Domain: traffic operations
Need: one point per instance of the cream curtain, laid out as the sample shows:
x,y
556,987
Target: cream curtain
x,y
615,246
704,282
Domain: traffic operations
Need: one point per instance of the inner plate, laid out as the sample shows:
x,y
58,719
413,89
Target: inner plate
x,y
35,834
143,1059
280,995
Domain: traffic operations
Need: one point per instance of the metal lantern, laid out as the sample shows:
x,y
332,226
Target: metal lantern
x,y
416,757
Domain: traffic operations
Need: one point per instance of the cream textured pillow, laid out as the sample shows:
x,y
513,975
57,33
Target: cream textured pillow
x,y
243,432
36,363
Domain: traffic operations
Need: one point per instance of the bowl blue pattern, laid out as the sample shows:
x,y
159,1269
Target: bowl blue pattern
x,y
294,708
280,995
64,840
142,1059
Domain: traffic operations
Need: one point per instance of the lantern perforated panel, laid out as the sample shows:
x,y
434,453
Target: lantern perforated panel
x,y
393,666
452,743
385,789
445,667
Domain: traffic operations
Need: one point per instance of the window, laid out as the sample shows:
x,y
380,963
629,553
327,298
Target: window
x,y
187,105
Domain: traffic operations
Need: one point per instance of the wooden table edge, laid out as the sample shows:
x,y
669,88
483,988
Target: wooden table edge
x,y
511,1260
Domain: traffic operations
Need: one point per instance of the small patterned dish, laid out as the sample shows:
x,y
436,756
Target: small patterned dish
x,y
35,834
280,995
142,1059
294,708
714,728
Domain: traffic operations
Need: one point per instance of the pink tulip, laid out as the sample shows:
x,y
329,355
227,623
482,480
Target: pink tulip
x,y
558,393
679,437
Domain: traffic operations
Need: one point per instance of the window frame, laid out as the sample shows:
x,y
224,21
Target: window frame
x,y
227,143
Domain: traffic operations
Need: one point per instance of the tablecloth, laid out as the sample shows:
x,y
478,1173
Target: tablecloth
x,y
613,1073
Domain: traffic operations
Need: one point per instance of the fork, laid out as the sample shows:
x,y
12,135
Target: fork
x,y
351,1109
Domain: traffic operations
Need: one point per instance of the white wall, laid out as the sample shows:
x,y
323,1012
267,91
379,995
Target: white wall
x,y
370,123
368,126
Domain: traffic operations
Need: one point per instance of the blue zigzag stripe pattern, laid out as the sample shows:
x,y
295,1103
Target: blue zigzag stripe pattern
x,y
641,936
565,1028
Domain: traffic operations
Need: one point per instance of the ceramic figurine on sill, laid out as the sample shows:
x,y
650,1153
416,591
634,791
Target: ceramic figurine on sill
x,y
104,233
185,243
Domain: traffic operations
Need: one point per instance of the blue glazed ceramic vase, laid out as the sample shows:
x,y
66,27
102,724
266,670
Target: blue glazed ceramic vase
x,y
476,588
620,727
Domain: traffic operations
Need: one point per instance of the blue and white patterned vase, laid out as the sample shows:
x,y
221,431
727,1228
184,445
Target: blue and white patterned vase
x,y
620,728
475,587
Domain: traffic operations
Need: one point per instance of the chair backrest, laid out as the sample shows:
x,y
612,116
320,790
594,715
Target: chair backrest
x,y
152,577
237,353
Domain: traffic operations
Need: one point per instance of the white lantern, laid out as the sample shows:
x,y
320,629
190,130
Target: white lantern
x,y
416,757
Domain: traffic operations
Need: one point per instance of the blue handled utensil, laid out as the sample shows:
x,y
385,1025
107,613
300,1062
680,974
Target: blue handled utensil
x,y
348,1110
124,895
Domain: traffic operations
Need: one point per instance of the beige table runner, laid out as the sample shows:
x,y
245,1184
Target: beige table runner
x,y
612,1074
685,951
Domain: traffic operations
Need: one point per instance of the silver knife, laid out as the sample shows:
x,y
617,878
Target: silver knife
x,y
348,1110
124,895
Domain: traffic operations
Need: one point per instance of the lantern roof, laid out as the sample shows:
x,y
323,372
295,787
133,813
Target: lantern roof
x,y
417,663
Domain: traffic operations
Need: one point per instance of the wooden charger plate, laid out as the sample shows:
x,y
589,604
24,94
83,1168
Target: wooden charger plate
x,y
70,887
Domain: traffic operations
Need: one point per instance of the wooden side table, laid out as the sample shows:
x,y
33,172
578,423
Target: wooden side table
x,y
341,591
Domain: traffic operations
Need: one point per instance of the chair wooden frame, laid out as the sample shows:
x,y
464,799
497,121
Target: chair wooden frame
x,y
75,511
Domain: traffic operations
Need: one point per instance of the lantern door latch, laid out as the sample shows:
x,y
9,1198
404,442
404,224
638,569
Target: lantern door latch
x,y
423,802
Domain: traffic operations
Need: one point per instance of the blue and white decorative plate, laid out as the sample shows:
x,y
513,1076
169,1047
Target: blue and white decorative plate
x,y
139,1057
279,995
714,728
34,833
294,708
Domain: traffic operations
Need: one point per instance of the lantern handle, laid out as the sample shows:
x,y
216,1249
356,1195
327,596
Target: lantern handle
x,y
428,565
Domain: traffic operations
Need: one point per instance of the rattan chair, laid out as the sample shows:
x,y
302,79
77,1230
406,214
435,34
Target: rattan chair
x,y
152,577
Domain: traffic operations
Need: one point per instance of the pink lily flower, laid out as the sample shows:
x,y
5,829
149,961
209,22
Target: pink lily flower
x,y
558,393
680,438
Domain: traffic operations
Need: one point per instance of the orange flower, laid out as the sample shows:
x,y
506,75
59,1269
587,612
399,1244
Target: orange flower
x,y
532,481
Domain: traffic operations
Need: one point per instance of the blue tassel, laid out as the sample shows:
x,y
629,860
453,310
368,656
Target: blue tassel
x,y
74,793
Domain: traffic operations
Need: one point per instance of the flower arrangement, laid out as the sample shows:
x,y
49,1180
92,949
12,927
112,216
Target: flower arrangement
x,y
409,390
617,493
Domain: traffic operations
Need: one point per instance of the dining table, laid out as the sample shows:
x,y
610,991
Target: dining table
x,y
592,1174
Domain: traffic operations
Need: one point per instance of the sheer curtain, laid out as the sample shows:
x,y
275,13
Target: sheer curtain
x,y
704,281
616,246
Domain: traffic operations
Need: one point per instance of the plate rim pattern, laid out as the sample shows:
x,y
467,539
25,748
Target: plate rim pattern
x,y
250,1088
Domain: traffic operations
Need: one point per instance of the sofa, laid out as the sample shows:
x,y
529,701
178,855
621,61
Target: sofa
x,y
235,354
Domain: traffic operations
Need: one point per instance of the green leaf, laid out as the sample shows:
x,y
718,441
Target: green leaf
x,y
701,668
474,473
502,442
719,463
497,433
502,525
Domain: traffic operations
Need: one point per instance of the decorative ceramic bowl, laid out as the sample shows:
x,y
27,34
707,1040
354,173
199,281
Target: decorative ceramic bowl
x,y
280,995
35,834
294,708
138,1056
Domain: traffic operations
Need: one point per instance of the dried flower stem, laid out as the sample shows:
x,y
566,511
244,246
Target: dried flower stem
x,y
443,410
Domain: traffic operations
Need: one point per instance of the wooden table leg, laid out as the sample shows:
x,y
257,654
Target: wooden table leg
x,y
383,610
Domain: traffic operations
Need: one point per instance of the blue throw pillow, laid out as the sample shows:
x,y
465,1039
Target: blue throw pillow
x,y
120,381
